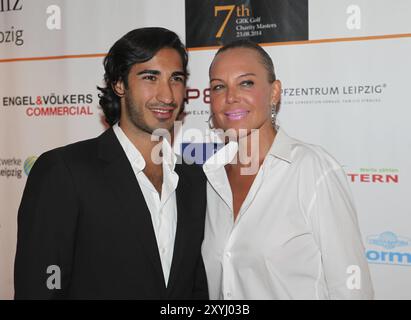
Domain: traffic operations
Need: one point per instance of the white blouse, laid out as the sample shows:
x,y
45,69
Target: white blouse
x,y
296,235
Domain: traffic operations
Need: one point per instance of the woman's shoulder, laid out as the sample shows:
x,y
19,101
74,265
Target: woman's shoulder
x,y
310,155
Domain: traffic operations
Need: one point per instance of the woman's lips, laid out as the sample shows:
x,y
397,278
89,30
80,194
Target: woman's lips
x,y
236,114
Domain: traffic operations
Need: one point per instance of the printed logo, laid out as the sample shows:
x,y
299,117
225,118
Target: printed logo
x,y
52,105
375,176
11,35
28,164
213,23
11,5
391,249
14,167
388,240
342,94
11,168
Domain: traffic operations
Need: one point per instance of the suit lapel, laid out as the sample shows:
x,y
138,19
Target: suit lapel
x,y
183,196
122,180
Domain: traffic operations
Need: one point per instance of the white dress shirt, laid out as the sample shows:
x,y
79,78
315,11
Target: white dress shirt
x,y
296,234
163,209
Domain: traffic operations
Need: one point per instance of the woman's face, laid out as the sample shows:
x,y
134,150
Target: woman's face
x,y
240,94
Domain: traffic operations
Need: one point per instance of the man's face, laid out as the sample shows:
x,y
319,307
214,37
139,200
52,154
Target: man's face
x,y
155,92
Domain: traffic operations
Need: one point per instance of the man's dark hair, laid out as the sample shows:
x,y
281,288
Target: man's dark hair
x,y
137,46
248,44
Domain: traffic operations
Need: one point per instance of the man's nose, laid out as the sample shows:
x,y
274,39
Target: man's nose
x,y
165,93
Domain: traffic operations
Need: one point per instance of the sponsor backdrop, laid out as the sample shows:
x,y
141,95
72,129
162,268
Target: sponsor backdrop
x,y
344,65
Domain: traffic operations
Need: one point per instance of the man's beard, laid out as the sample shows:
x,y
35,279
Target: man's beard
x,y
136,116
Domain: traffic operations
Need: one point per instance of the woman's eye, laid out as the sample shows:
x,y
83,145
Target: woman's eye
x,y
247,83
217,87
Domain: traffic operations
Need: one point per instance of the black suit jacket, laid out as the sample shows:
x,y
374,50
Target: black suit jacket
x,y
83,211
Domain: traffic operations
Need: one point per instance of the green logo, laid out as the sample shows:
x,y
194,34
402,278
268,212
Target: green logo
x,y
28,164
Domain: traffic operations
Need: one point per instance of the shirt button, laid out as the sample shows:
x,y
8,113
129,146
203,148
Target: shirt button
x,y
228,294
163,250
228,254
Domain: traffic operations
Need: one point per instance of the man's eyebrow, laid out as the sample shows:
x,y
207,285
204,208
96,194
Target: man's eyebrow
x,y
148,71
157,72
179,73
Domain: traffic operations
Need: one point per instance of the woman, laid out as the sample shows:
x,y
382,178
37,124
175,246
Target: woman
x,y
287,230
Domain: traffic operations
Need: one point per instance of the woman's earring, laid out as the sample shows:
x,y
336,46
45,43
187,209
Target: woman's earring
x,y
210,122
273,114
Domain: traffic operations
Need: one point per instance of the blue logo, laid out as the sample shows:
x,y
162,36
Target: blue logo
x,y
389,240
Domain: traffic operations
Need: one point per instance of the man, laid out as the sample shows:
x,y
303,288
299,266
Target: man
x,y
102,219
